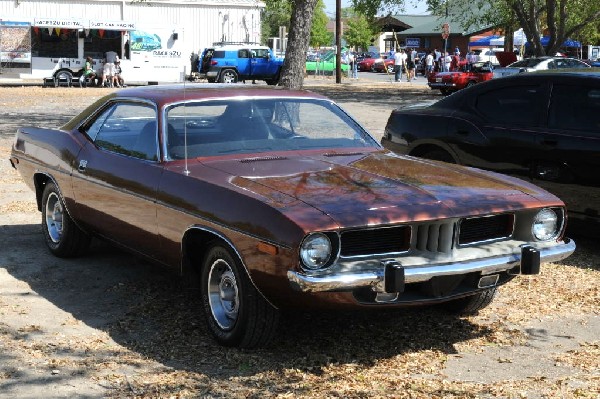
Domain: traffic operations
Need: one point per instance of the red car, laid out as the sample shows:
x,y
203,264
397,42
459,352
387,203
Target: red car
x,y
383,65
366,64
276,199
449,82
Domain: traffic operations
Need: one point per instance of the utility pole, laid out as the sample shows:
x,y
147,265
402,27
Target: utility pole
x,y
338,41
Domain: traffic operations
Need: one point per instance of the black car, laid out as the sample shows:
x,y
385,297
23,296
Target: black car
x,y
542,126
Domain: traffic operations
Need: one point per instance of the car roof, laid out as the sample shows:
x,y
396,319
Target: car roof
x,y
566,76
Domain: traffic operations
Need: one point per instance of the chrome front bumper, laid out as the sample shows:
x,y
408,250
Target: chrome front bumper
x,y
376,278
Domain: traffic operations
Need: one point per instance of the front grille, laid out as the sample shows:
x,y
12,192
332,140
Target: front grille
x,y
488,228
385,240
435,237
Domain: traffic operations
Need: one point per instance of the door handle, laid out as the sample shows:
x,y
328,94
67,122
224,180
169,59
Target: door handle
x,y
82,165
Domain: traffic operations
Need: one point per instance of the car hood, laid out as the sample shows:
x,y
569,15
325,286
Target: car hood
x,y
374,188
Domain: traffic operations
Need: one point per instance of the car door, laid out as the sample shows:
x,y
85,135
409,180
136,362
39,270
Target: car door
x,y
244,63
117,173
569,161
509,118
260,62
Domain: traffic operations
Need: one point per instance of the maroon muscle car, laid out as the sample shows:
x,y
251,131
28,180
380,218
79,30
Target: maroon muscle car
x,y
449,82
272,199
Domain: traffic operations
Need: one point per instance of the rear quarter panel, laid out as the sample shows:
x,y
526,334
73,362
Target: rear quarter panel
x,y
50,152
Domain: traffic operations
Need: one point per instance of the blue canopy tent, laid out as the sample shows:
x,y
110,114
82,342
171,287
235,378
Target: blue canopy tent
x,y
567,43
484,41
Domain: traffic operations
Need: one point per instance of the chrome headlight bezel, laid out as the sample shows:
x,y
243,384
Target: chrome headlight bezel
x,y
316,251
546,225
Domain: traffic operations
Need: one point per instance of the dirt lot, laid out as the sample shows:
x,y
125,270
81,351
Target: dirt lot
x,y
111,325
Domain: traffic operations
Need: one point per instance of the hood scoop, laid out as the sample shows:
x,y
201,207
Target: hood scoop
x,y
342,154
260,159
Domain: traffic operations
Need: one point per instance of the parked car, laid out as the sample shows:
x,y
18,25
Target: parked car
x,y
366,64
233,62
275,199
467,76
542,127
384,65
539,64
593,63
325,64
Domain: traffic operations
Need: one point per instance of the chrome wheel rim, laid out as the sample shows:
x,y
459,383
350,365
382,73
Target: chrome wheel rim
x,y
223,295
228,77
54,217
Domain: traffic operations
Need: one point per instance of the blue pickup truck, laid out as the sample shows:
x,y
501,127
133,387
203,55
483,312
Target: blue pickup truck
x,y
233,62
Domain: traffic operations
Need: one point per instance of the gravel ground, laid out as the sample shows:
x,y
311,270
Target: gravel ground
x,y
111,325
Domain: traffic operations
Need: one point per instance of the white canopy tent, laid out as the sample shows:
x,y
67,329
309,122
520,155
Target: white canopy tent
x,y
519,39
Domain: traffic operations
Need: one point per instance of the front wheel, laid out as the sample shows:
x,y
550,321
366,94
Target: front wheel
x,y
471,304
237,314
229,76
63,237
438,155
390,69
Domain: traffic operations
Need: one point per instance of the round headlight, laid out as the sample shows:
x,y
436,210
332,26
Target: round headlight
x,y
545,225
315,251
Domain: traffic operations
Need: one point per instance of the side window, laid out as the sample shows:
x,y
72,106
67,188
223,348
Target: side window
x,y
243,53
260,53
518,105
575,108
127,128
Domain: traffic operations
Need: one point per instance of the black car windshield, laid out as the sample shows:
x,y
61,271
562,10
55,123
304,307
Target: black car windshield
x,y
252,125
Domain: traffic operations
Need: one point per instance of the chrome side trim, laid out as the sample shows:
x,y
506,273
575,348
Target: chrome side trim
x,y
375,278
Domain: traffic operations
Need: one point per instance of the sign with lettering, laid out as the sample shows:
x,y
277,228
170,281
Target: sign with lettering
x,y
413,42
59,23
112,25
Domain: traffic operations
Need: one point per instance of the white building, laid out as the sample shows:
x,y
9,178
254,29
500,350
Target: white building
x,y
153,38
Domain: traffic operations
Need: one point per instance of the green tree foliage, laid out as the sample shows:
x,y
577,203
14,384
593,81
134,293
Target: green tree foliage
x,y
319,36
358,32
560,19
275,14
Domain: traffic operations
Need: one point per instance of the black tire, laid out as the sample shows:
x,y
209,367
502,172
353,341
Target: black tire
x,y
63,77
438,155
236,313
63,238
471,304
445,92
228,76
211,80
471,83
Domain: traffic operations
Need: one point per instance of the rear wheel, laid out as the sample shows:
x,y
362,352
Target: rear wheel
x,y
471,83
438,155
471,304
63,237
390,68
229,76
237,314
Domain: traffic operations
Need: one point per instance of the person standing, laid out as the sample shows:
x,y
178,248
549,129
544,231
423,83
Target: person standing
x,y
447,60
399,58
436,59
410,67
109,67
429,64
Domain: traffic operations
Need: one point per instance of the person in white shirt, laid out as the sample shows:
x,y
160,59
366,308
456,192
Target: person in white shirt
x,y
109,67
399,62
447,61
429,64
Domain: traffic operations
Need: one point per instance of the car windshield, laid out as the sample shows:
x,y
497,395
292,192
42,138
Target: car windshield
x,y
253,125
526,63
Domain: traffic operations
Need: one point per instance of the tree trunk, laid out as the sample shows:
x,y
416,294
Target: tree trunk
x,y
292,73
